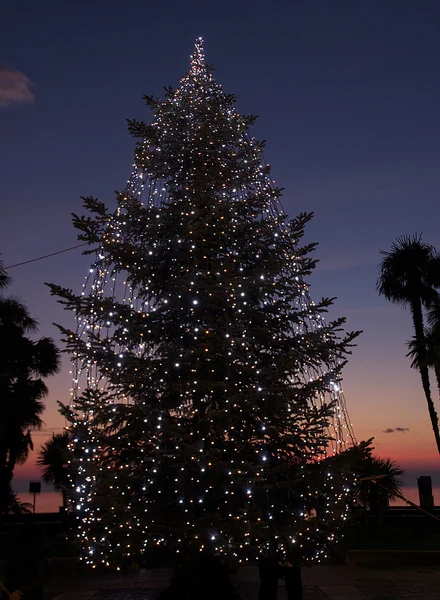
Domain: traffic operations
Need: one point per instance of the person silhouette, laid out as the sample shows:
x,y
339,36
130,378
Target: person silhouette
x,y
272,567
268,568
290,570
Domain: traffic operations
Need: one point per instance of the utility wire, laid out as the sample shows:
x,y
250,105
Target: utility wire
x,y
401,496
26,262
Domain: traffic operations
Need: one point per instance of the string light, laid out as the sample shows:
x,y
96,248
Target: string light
x,y
206,383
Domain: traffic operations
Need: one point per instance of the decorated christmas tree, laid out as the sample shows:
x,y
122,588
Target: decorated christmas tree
x,y
207,382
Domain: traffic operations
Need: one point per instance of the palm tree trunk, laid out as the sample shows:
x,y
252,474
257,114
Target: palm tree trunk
x,y
437,373
416,309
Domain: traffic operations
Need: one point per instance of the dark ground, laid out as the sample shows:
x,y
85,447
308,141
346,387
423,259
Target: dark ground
x,y
320,583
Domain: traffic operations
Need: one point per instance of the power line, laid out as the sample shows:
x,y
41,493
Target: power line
x,y
401,496
46,256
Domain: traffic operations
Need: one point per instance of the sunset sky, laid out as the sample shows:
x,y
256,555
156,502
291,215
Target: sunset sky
x,y
348,98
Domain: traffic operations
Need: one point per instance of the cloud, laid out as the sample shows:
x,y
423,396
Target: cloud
x,y
398,429
15,88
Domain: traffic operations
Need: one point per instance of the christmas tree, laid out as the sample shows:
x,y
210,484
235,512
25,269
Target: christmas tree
x,y
207,383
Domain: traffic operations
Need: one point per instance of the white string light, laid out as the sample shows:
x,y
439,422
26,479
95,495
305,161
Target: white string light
x,y
178,357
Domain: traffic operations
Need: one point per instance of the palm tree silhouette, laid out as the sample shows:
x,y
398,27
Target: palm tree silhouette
x,y
432,338
55,459
23,365
409,275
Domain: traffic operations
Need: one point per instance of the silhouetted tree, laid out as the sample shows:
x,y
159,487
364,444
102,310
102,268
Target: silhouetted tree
x,y
409,275
54,459
377,480
23,364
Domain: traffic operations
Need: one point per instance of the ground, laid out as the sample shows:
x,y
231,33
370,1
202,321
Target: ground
x,y
320,583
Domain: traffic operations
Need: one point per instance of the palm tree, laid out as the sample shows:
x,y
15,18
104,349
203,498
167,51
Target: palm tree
x,y
409,275
433,340
377,480
23,365
432,356
378,483
17,507
4,277
55,459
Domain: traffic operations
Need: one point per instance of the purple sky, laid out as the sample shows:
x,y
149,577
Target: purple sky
x,y
348,96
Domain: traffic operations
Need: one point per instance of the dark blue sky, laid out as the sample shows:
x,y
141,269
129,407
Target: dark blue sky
x,y
348,95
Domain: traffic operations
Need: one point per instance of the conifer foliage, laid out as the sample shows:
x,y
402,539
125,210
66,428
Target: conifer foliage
x,y
207,382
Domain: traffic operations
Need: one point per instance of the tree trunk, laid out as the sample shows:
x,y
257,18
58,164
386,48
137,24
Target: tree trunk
x,y
437,373
416,309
